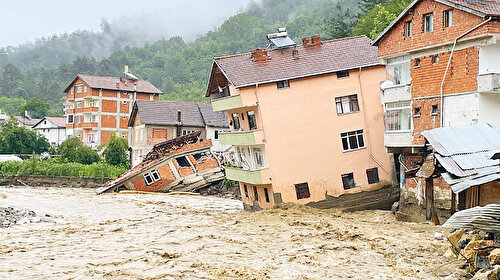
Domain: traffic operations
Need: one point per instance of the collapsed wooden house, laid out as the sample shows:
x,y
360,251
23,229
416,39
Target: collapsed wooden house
x,y
183,164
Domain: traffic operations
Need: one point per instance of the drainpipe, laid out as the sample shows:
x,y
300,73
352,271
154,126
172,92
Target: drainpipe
x,y
441,119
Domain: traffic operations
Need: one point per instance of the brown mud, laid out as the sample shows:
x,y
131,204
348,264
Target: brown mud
x,y
151,236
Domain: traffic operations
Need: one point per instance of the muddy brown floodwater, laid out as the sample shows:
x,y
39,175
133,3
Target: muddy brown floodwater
x,y
148,236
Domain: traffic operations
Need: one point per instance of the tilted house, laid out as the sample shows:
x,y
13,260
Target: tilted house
x,y
443,64
306,122
153,122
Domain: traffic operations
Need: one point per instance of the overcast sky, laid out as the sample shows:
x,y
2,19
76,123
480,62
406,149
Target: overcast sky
x,y
26,20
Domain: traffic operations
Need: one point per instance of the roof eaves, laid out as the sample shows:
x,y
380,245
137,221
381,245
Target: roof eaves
x,y
223,73
308,75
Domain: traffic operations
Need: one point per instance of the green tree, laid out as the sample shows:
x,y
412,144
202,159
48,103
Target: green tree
x,y
341,25
16,139
11,105
36,107
375,20
366,5
115,152
10,80
73,150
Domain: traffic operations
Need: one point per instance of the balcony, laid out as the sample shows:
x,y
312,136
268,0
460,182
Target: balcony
x,y
397,93
488,83
254,177
90,109
88,125
227,103
398,139
242,138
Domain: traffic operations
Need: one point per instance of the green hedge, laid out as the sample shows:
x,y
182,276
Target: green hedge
x,y
53,167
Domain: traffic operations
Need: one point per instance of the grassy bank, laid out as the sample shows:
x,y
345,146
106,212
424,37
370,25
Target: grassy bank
x,y
53,167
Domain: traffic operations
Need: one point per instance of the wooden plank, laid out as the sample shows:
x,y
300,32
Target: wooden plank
x,y
429,198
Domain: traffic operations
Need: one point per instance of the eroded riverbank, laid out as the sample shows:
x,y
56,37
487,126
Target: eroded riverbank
x,y
117,236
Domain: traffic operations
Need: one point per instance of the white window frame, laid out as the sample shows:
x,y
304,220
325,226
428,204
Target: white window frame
x,y
356,134
91,137
146,176
79,104
399,69
79,89
392,108
447,15
72,119
428,24
343,104
155,175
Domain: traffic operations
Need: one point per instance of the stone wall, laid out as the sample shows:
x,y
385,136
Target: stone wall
x,y
53,181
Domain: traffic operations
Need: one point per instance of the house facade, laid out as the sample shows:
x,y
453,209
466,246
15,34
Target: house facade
x,y
443,63
154,122
52,128
306,121
96,107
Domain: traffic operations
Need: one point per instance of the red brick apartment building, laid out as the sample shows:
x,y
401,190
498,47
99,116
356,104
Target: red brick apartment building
x,y
443,67
97,107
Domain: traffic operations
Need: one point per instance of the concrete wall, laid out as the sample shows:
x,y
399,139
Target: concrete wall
x,y
55,135
216,145
461,109
489,106
489,59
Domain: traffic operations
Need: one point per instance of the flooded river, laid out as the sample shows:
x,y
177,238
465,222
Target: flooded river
x,y
149,236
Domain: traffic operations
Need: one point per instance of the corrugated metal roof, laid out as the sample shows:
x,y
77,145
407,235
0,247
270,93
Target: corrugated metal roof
x,y
465,152
485,218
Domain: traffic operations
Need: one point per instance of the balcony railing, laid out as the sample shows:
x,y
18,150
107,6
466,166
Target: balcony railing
x,y
397,93
227,103
240,138
488,83
254,177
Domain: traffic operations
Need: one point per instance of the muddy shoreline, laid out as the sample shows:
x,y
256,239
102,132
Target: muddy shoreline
x,y
117,236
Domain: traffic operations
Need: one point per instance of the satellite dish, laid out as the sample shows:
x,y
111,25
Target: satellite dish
x,y
386,84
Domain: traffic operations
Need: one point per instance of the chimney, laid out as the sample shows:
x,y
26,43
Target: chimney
x,y
179,118
295,54
313,41
259,55
117,84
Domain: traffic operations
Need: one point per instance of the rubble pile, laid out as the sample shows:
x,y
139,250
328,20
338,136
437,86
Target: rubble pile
x,y
479,250
10,216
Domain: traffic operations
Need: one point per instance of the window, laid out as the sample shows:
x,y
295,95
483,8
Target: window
x,y
342,74
266,194
434,110
187,131
70,118
78,119
79,89
283,84
428,23
72,90
245,189
347,104
91,137
352,140
397,116
182,161
236,121
417,62
124,102
255,193
416,111
447,19
348,181
149,180
399,68
302,190
156,175
259,157
159,133
251,120
85,89
407,31
372,175
79,104
216,135
44,122
435,59
124,118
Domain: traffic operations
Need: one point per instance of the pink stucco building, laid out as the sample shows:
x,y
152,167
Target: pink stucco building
x,y
306,121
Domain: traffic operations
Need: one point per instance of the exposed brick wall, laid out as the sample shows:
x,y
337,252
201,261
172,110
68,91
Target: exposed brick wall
x,y
108,121
207,164
395,42
105,135
109,106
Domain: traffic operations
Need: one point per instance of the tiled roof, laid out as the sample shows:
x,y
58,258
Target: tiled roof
x,y
115,83
211,118
26,121
165,113
479,7
486,7
60,122
332,56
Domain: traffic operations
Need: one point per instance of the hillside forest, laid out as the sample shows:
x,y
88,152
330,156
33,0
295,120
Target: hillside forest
x,y
34,74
